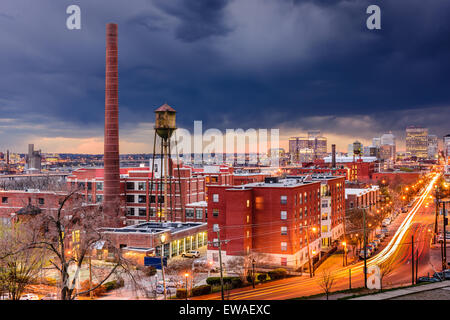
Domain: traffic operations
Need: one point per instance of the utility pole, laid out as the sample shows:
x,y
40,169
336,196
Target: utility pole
x,y
436,200
417,263
350,279
309,255
412,259
91,293
220,261
163,238
365,248
444,220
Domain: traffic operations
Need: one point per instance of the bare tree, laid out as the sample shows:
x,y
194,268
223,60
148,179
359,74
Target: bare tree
x,y
69,233
386,268
18,268
326,281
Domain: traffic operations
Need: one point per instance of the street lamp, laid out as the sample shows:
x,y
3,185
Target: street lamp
x,y
186,275
253,272
344,256
163,239
311,271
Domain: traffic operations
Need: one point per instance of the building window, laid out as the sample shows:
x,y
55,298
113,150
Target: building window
x,y
248,203
41,201
142,199
198,213
189,213
284,246
215,212
98,198
324,204
300,213
89,186
130,198
130,211
214,179
142,212
4,199
152,212
248,234
99,186
283,231
141,186
248,218
284,261
283,215
283,199
130,185
300,198
306,197
89,198
215,197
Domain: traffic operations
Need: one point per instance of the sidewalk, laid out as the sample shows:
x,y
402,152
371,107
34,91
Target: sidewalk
x,y
432,291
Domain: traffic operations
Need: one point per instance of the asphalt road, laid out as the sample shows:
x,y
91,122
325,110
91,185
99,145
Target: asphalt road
x,y
396,251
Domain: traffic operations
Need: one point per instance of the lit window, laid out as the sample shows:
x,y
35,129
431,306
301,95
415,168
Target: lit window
x,y
283,231
283,215
283,199
284,246
248,203
215,197
215,212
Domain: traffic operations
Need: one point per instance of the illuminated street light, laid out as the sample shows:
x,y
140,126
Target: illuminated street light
x,y
186,275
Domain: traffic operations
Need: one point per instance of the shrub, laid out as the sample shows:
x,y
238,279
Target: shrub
x,y
262,277
236,282
49,281
181,293
215,281
115,284
279,273
98,292
201,290
150,271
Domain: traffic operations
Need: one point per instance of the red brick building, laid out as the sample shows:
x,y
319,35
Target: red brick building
x,y
401,177
139,192
271,218
15,200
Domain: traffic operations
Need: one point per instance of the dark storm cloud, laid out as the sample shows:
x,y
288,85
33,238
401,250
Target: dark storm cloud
x,y
198,18
244,63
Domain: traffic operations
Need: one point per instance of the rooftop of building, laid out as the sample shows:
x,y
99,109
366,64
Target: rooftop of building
x,y
197,204
340,159
156,227
275,182
360,191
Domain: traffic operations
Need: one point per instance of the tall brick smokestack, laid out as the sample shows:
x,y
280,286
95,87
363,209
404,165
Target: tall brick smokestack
x,y
333,156
111,189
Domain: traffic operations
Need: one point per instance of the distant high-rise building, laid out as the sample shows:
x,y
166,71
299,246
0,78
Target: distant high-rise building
x,y
376,142
432,146
417,142
447,146
314,141
357,148
387,147
33,158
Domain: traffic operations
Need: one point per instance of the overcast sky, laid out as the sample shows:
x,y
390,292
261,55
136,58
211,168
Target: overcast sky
x,y
292,65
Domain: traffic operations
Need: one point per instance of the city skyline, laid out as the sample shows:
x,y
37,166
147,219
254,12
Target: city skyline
x,y
53,96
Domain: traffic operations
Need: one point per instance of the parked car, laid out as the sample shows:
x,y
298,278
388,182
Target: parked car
x,y
444,275
377,241
191,254
386,222
441,236
361,253
170,289
380,236
29,296
428,279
